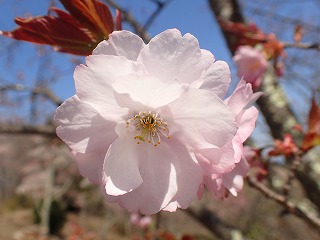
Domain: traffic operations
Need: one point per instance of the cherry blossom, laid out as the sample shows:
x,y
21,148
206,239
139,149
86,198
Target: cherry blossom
x,y
141,115
230,180
251,65
140,220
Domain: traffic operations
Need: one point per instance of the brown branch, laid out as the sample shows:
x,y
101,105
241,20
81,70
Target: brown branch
x,y
311,46
294,164
45,92
47,131
160,6
126,16
226,10
282,200
309,183
214,224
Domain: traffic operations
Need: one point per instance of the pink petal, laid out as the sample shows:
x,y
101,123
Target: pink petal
x,y
247,121
94,83
87,133
159,173
216,161
189,178
237,144
242,97
121,167
217,78
214,185
201,106
169,174
170,56
139,93
233,181
82,127
90,164
208,58
121,43
251,64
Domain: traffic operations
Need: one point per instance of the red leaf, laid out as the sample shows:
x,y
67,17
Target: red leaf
x,y
314,116
312,137
287,147
78,33
167,236
249,34
93,14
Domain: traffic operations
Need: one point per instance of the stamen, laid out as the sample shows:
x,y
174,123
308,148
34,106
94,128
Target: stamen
x,y
150,127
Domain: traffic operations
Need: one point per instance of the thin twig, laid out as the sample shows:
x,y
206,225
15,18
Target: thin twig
x,y
47,131
295,163
214,224
312,46
45,92
126,16
160,6
282,200
46,207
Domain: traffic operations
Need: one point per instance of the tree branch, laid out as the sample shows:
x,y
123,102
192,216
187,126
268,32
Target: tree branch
x,y
126,16
288,205
47,131
45,92
214,224
161,5
312,46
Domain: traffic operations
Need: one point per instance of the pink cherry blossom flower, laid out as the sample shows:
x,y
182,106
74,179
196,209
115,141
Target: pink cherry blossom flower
x,y
251,65
140,220
232,179
139,114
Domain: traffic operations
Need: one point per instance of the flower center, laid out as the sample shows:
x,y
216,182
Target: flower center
x,y
150,127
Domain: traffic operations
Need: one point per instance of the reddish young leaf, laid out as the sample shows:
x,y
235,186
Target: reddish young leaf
x,y
166,236
287,147
312,137
118,20
250,34
78,33
298,33
93,14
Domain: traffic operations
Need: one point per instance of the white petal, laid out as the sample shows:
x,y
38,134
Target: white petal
x,y
189,178
171,177
121,166
216,161
208,58
217,78
94,83
170,56
145,91
159,173
202,118
121,43
90,164
237,144
233,181
82,127
87,133
242,97
247,121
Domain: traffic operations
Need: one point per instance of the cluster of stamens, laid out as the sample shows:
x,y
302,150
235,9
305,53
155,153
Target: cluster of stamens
x,y
150,126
